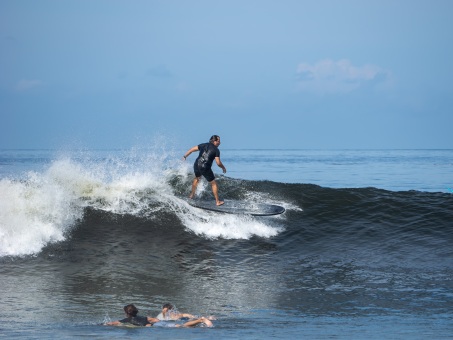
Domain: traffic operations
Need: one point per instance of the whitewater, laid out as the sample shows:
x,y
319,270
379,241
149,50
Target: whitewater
x,y
39,208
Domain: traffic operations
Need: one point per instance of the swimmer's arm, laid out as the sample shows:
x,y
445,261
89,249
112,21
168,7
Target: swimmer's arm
x,y
192,323
152,320
113,323
187,154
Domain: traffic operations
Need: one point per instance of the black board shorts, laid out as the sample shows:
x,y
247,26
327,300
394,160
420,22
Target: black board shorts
x,y
203,171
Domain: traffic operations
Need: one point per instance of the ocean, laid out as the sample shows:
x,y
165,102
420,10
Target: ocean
x,y
363,251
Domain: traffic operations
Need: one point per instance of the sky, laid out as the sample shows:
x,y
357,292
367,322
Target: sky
x,y
290,74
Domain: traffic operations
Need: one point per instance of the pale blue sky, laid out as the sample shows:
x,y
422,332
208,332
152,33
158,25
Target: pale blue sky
x,y
261,74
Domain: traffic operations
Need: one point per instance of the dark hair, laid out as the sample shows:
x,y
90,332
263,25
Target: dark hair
x,y
169,306
213,138
131,310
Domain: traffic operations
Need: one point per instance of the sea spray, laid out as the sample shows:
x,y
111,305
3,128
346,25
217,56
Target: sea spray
x,y
33,213
43,207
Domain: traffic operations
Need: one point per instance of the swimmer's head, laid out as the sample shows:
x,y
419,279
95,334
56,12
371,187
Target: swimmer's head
x,y
130,310
167,306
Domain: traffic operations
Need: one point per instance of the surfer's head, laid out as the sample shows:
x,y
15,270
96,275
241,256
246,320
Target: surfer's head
x,y
214,138
167,306
131,310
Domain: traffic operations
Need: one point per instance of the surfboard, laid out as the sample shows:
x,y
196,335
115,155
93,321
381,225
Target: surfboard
x,y
238,207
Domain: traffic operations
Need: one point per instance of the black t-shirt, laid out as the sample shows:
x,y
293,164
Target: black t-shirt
x,y
208,152
136,320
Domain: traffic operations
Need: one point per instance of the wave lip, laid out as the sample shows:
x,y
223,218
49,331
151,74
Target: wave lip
x,y
34,213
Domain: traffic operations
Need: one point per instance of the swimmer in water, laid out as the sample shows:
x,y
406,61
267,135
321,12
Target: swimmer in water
x,y
133,319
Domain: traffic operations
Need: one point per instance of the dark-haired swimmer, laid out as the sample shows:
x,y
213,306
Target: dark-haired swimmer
x,y
202,166
132,319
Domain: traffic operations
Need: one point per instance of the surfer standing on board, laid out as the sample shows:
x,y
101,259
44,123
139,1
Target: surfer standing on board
x,y
202,166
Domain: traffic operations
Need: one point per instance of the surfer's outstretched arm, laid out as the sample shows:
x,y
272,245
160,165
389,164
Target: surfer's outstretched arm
x,y
113,323
193,323
187,154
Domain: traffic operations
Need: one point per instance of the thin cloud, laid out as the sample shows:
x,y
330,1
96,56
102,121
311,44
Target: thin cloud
x,y
329,76
28,84
160,71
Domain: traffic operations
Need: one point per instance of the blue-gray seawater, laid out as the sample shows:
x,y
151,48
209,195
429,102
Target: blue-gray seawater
x,y
363,251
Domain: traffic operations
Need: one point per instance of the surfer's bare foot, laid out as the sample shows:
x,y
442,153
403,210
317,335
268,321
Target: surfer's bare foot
x,y
219,203
190,196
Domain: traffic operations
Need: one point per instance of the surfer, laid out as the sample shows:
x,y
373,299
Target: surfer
x,y
133,319
169,312
202,166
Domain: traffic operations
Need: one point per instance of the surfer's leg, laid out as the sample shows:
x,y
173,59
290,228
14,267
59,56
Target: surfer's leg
x,y
195,181
194,186
215,191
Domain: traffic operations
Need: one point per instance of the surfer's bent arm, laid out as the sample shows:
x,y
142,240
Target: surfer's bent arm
x,y
152,320
187,154
220,164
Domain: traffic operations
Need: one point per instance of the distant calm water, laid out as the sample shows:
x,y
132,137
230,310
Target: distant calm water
x,y
424,170
364,250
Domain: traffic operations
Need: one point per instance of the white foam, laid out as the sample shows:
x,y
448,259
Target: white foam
x,y
32,214
229,226
215,225
42,208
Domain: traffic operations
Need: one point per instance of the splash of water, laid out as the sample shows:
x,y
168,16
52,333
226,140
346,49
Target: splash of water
x,y
43,207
